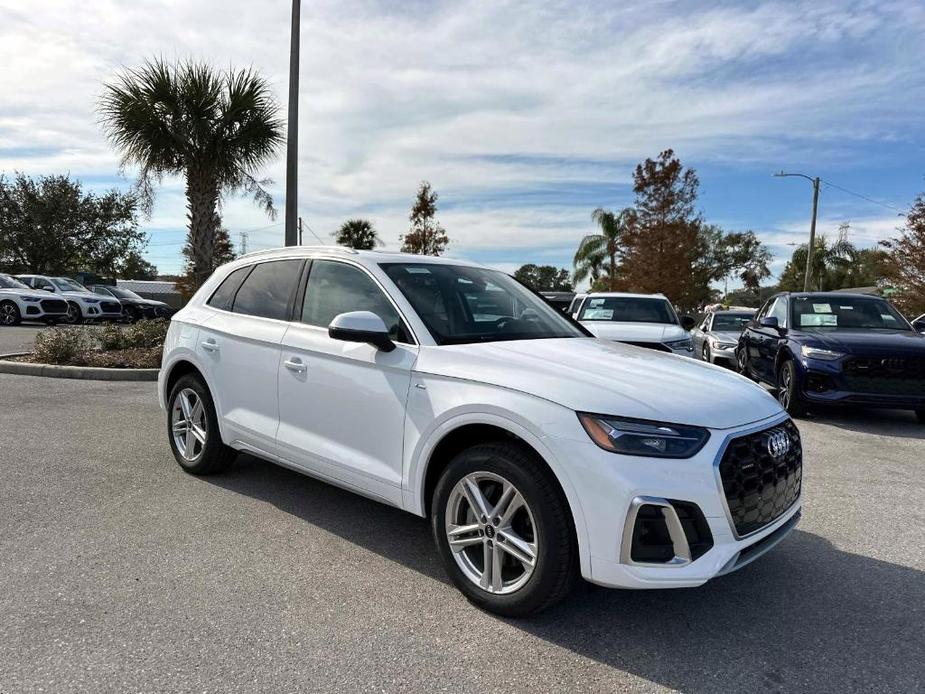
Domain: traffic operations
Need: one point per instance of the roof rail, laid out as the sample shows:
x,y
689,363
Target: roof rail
x,y
331,249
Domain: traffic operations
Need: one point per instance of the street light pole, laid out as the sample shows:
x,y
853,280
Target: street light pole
x,y
812,225
292,130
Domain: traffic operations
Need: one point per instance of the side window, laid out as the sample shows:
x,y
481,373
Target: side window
x,y
224,295
335,288
267,290
779,311
705,326
764,310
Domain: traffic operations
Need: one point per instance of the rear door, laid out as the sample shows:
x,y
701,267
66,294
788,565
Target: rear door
x,y
767,341
342,404
240,344
699,334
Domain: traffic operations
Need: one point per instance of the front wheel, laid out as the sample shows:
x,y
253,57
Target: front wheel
x,y
788,392
73,314
9,314
705,352
504,530
742,363
193,429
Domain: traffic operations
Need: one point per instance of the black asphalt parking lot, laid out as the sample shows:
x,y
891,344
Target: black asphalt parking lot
x,y
118,572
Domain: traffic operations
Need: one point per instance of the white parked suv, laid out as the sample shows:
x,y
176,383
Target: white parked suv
x,y
19,302
644,320
82,303
447,389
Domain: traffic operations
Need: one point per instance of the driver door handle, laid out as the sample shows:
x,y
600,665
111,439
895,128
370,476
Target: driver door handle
x,y
209,345
295,365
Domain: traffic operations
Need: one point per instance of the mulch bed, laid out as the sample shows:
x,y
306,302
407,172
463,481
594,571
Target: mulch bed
x,y
143,358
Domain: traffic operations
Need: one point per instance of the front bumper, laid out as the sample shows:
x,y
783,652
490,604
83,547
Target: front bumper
x,y
611,486
825,383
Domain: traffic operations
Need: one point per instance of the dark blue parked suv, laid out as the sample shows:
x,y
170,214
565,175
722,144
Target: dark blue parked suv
x,y
835,349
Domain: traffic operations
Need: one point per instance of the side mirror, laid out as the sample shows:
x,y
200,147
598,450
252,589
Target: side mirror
x,y
769,322
361,326
688,323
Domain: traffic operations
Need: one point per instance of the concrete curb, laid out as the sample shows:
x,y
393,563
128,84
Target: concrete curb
x,y
87,373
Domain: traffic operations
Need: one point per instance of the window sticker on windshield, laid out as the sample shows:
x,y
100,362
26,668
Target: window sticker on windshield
x,y
846,308
887,316
822,308
417,270
598,314
596,302
818,320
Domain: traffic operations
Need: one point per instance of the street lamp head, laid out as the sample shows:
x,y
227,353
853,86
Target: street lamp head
x,y
779,173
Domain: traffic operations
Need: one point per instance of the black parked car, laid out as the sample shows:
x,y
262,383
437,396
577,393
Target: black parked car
x,y
134,307
834,348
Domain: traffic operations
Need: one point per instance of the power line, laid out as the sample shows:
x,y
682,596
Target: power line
x,y
862,197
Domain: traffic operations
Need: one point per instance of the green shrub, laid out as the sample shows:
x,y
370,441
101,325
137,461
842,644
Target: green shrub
x,y
146,333
61,345
111,337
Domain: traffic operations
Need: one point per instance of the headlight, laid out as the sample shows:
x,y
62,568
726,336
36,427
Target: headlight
x,y
642,437
91,301
30,299
819,353
716,344
681,344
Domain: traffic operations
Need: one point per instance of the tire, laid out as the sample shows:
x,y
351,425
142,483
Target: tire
x,y
788,394
705,352
129,315
9,314
208,454
742,364
521,589
73,316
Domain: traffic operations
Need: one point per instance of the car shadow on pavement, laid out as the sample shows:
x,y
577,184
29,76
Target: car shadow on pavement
x,y
894,423
807,616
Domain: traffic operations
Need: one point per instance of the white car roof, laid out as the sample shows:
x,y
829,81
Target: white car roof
x,y
363,257
629,295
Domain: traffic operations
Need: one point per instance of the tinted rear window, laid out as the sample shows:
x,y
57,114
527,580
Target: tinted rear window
x,y
224,295
268,290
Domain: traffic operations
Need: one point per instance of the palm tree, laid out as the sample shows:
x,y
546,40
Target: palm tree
x,y
217,129
597,249
359,234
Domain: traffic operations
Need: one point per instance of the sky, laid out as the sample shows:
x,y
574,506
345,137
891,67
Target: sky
x,y
524,116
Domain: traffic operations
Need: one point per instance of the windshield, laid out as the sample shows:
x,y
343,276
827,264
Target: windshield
x,y
845,313
7,282
464,304
731,322
628,309
66,285
123,293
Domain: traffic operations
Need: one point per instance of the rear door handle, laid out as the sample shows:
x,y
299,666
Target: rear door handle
x,y
295,365
209,345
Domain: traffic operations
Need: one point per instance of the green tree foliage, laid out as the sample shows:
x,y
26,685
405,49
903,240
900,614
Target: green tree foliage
x,y
599,253
741,255
135,267
426,236
905,260
222,252
215,128
544,278
359,234
833,267
49,225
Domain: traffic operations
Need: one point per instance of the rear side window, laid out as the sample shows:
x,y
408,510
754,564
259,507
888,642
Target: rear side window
x,y
335,288
224,295
268,289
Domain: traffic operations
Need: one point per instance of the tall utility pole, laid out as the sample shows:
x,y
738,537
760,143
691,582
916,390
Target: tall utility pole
x,y
812,226
243,235
300,231
292,129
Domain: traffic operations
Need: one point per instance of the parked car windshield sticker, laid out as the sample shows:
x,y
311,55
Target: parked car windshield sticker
x,y
816,320
822,308
598,314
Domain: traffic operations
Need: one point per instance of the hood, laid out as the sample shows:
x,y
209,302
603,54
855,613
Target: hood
x,y
866,342
729,336
635,332
85,295
608,378
31,293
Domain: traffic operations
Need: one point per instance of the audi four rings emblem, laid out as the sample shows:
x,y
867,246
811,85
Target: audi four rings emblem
x,y
778,443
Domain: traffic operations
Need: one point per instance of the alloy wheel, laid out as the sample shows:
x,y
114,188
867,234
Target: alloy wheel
x,y
7,314
784,391
706,352
73,313
188,425
491,532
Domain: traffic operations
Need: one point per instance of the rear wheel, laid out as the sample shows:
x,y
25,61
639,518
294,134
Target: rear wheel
x,y
504,530
788,392
193,429
9,313
742,363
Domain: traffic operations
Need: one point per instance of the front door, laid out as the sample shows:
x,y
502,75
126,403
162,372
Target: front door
x,y
342,404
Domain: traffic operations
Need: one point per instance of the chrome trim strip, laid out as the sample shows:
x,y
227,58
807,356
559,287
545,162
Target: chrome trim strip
x,y
764,424
682,551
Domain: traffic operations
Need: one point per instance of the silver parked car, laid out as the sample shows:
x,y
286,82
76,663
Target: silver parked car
x,y
716,337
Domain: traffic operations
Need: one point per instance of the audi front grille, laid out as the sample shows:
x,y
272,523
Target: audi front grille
x,y
760,479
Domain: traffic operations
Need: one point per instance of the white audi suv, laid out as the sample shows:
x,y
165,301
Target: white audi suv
x,y
538,452
19,302
82,304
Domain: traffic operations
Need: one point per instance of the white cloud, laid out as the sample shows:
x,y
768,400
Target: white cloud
x,y
395,93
